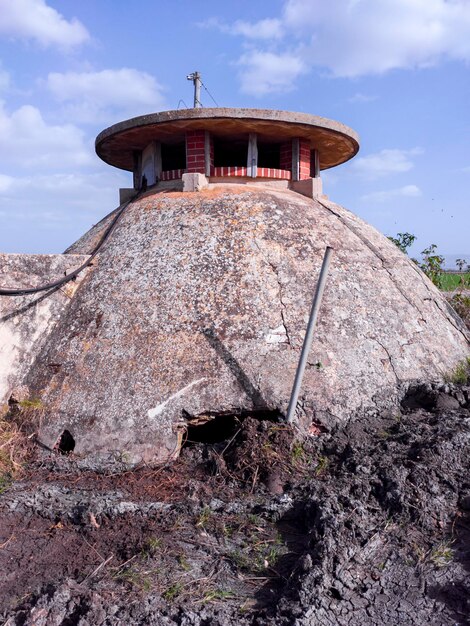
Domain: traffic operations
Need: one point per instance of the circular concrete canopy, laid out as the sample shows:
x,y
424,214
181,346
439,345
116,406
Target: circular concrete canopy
x,y
335,142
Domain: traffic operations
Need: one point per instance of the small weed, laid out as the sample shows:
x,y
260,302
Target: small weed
x,y
218,594
135,578
13,452
172,592
31,403
255,520
322,464
5,482
241,560
151,547
460,374
419,552
204,518
384,434
184,563
442,554
298,452
154,544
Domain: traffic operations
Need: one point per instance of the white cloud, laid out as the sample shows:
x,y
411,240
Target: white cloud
x,y
408,191
6,183
4,79
351,38
267,72
67,204
77,189
361,98
27,141
34,19
95,96
269,28
385,163
362,37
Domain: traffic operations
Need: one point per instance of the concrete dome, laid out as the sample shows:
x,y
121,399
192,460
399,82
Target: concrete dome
x,y
198,304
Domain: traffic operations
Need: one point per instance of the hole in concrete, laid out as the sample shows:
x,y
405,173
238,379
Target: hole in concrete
x,y
66,443
221,427
335,593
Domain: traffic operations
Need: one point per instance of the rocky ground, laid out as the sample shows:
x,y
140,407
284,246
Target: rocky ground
x,y
366,524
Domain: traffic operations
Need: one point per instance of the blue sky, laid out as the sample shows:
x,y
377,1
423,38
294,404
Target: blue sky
x,y
397,71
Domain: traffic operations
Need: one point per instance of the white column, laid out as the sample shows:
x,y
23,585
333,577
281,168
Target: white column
x,y
252,162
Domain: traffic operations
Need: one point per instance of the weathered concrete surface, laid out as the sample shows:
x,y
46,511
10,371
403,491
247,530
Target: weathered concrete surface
x,y
198,303
25,321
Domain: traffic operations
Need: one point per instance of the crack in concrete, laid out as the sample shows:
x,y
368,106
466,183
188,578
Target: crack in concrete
x,y
275,270
388,355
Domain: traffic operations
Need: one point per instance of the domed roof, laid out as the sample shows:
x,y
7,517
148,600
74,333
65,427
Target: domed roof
x,y
198,304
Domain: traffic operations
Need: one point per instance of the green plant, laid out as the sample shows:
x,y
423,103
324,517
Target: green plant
x,y
31,403
204,518
322,464
13,452
403,241
460,374
135,578
442,554
217,594
461,304
152,546
5,482
184,563
172,592
432,264
298,452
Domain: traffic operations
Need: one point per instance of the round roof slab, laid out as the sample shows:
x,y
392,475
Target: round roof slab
x,y
335,142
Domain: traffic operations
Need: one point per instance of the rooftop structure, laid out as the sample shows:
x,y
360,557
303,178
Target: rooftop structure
x,y
215,144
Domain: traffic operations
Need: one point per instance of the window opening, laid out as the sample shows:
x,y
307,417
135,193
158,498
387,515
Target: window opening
x,y
173,156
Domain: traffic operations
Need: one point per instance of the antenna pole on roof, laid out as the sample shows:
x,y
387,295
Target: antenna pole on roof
x,y
196,78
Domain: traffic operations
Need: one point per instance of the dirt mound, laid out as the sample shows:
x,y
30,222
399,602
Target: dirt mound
x,y
366,524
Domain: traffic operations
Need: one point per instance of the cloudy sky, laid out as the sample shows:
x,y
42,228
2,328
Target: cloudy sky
x,y
397,71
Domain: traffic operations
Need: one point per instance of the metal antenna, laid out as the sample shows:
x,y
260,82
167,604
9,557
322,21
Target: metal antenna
x,y
196,78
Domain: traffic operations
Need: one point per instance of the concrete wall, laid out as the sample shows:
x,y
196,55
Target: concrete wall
x,y
25,321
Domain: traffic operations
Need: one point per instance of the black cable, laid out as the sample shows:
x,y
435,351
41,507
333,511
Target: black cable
x,y
209,94
65,279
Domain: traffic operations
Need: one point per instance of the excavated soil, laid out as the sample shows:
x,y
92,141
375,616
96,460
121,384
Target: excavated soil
x,y
252,525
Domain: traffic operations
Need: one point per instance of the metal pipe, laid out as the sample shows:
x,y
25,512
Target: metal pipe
x,y
317,298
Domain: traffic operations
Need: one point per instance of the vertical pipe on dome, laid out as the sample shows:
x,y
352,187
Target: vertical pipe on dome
x,y
317,298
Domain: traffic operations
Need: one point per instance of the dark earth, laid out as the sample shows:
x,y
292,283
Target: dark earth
x,y
254,524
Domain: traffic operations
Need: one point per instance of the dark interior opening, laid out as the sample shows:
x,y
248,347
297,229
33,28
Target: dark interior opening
x,y
269,155
230,152
224,426
313,174
66,443
174,156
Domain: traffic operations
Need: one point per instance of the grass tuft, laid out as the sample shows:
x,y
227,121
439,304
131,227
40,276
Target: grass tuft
x,y
14,450
460,374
